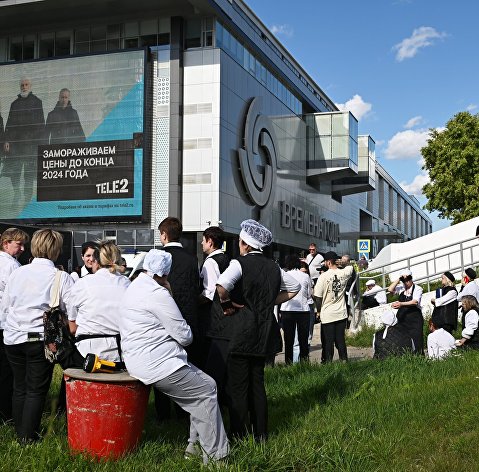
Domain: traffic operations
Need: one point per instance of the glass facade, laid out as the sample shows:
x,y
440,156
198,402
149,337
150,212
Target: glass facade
x,y
243,56
335,137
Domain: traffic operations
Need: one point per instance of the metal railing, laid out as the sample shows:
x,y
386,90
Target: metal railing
x,y
426,261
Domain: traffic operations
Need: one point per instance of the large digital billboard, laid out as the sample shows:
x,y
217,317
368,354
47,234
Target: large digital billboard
x,y
71,138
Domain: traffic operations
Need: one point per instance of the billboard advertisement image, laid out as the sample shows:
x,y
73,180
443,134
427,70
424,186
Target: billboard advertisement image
x,y
71,136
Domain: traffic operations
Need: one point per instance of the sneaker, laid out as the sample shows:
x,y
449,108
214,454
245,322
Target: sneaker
x,y
192,450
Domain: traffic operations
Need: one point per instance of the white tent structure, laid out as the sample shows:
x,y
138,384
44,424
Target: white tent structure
x,y
454,248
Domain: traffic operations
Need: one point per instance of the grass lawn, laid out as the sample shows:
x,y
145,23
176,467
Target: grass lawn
x,y
407,414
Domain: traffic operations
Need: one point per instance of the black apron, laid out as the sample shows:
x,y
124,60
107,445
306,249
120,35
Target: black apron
x,y
410,318
445,316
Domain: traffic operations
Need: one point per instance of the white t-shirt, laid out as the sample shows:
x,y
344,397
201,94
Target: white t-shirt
x,y
94,304
331,287
300,301
314,263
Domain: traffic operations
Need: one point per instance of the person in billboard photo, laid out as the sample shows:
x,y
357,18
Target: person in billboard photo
x,y
2,139
24,131
2,135
63,124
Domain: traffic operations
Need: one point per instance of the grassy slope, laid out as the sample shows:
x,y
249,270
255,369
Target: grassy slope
x,y
396,415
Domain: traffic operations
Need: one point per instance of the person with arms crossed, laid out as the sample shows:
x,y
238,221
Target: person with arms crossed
x,y
248,290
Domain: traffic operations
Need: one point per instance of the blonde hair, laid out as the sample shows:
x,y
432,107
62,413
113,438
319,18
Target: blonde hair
x,y
449,283
13,234
110,256
47,243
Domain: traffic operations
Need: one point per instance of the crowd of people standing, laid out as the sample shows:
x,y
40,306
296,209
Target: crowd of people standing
x,y
186,336
199,335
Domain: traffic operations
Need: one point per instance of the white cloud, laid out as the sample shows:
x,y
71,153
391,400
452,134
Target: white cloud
x,y
413,122
357,106
421,37
415,187
406,144
471,107
282,30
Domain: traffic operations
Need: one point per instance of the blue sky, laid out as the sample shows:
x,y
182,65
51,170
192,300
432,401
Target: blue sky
x,y
400,66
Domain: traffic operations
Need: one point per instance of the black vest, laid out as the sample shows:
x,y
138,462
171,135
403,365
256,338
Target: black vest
x,y
204,310
184,280
445,316
397,343
254,329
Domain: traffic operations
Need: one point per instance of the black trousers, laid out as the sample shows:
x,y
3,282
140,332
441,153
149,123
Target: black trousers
x,y
333,334
32,375
215,366
369,302
292,321
6,384
248,408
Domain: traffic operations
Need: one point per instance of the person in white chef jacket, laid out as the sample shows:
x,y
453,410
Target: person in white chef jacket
x,y
153,337
94,305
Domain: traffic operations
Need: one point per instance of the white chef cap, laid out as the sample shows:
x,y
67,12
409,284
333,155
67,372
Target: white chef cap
x,y
157,262
255,234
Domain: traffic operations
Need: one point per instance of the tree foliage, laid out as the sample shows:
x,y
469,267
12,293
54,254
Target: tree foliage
x,y
451,158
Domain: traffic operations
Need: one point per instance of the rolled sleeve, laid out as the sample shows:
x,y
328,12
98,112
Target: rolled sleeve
x,y
471,324
230,276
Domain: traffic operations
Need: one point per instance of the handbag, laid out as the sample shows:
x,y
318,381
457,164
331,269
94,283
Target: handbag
x,y
57,337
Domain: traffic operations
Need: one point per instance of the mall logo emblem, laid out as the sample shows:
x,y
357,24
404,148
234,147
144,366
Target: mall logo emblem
x,y
257,160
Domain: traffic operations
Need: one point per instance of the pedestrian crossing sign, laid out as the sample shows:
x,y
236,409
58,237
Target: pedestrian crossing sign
x,y
364,245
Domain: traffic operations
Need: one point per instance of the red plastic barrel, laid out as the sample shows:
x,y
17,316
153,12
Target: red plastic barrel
x,y
105,412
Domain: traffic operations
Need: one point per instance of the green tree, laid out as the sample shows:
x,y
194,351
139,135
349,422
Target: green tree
x,y
451,158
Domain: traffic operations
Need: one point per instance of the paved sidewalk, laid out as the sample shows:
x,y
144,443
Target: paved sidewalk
x,y
354,353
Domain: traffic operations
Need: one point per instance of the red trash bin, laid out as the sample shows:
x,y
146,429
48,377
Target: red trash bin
x,y
105,412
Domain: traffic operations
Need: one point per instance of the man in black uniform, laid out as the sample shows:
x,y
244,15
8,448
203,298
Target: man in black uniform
x,y
214,348
184,282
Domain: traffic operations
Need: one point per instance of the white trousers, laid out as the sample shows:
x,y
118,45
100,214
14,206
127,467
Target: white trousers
x,y
195,392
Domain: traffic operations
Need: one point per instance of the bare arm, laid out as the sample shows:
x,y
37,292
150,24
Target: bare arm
x,y
284,296
223,293
73,327
392,287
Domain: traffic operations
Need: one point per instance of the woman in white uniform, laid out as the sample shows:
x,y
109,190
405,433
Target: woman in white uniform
x,y
26,298
94,306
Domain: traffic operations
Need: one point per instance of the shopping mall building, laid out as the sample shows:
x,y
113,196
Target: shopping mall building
x,y
188,108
